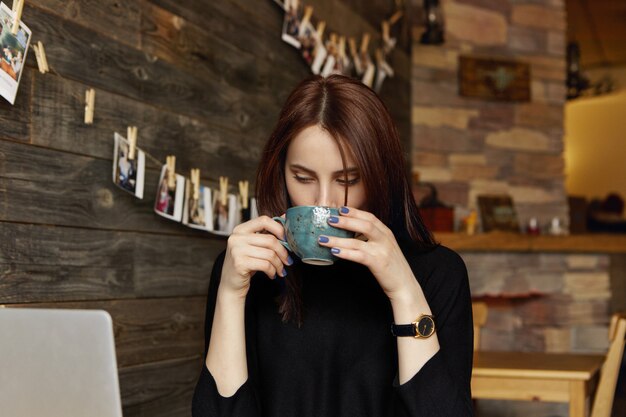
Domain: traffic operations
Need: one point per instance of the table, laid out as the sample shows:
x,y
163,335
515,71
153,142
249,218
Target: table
x,y
535,376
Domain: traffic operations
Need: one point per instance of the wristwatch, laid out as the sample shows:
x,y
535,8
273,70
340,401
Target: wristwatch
x,y
422,328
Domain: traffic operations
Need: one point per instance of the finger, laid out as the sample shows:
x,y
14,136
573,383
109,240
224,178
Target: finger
x,y
370,229
261,224
269,255
341,242
353,255
345,211
262,265
270,242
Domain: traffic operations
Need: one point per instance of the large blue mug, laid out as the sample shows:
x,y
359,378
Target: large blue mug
x,y
303,226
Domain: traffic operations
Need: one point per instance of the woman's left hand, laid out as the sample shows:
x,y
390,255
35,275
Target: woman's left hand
x,y
379,251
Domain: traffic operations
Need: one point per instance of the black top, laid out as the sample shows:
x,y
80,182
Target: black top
x,y
343,361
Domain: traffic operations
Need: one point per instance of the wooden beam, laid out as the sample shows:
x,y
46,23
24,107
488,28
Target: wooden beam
x,y
41,263
160,389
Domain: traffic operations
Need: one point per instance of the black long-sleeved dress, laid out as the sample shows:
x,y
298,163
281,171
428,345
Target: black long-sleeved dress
x,y
343,360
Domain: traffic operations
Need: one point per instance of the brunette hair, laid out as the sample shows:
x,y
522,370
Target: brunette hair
x,y
361,124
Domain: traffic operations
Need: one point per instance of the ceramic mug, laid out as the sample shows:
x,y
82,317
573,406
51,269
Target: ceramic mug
x,y
303,226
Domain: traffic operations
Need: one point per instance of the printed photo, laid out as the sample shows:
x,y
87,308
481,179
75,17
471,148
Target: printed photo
x,y
169,201
251,212
291,24
13,50
308,43
225,216
198,214
128,174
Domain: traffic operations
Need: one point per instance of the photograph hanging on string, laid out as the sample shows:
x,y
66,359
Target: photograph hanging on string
x,y
13,50
197,212
250,212
291,24
319,52
128,174
308,42
226,213
170,196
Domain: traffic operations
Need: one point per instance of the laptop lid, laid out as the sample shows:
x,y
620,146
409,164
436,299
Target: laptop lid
x,y
58,363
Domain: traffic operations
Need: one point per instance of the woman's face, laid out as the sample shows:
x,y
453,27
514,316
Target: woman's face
x,y
314,172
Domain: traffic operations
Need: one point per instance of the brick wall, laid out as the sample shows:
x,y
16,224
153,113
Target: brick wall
x,y
537,301
468,146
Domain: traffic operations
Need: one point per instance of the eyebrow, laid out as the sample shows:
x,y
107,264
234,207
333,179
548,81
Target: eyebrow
x,y
310,171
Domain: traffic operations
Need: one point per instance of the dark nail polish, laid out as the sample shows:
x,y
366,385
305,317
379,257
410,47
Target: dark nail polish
x,y
323,239
333,219
335,250
345,210
289,260
284,272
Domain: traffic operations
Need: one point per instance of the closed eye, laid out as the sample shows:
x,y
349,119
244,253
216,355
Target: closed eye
x,y
349,182
302,179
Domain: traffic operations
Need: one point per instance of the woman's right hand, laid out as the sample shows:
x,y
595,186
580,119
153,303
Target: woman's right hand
x,y
253,246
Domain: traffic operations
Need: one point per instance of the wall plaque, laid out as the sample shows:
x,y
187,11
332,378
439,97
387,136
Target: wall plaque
x,y
494,79
497,213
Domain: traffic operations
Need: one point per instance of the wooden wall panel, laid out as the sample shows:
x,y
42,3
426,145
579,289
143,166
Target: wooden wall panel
x,y
51,263
114,18
160,389
58,112
202,80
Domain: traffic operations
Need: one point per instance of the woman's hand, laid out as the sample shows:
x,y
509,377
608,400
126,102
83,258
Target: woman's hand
x,y
250,249
379,251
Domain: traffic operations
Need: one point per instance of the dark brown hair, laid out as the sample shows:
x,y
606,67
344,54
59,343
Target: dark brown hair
x,y
361,124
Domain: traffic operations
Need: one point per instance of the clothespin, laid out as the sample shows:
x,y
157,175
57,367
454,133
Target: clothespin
x,y
18,5
385,30
90,102
331,45
243,193
308,12
171,171
365,41
40,55
320,29
355,56
195,182
342,47
395,17
223,190
132,141
352,44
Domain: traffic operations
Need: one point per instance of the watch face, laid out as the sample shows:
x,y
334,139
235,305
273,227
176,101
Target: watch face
x,y
425,326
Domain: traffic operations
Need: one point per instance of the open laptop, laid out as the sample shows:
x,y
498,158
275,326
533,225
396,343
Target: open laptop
x,y
57,363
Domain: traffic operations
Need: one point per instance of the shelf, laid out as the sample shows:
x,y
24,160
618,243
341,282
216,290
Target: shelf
x,y
513,242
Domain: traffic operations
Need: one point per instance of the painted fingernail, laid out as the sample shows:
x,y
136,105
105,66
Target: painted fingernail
x,y
323,239
344,210
284,272
275,276
333,219
289,260
335,250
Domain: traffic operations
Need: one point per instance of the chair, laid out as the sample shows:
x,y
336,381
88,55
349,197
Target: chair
x,y
479,312
605,393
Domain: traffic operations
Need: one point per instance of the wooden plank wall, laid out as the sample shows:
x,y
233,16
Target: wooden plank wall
x,y
203,80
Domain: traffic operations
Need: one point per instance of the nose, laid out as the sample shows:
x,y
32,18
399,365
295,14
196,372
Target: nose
x,y
326,197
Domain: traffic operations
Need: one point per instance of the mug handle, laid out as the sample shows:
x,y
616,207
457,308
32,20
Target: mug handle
x,y
282,242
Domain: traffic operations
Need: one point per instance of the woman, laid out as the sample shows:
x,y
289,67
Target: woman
x,y
316,340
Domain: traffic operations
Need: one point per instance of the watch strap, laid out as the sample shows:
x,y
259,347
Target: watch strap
x,y
403,330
